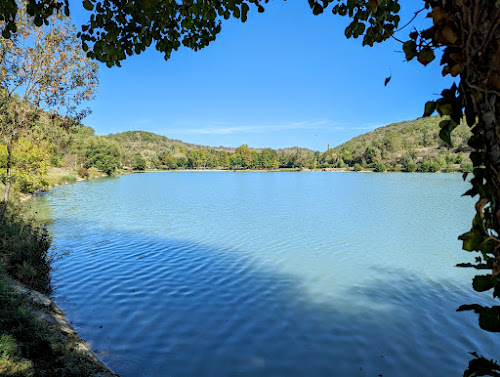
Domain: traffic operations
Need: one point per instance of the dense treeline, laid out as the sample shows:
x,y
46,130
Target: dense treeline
x,y
144,149
407,146
60,142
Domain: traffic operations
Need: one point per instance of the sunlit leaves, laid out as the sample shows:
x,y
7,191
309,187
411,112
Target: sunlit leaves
x,y
44,66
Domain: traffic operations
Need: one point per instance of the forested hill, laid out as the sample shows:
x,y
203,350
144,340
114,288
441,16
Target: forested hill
x,y
156,151
56,142
408,146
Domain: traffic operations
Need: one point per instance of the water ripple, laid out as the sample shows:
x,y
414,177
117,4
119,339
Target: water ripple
x,y
268,274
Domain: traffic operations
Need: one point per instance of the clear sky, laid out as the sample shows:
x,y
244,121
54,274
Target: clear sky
x,y
283,78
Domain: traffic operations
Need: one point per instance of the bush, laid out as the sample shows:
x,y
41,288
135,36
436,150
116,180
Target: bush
x,y
83,173
379,168
138,162
409,165
24,252
466,167
103,155
358,167
429,166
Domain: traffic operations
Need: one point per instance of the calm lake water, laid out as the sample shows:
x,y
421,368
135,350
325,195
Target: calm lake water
x,y
269,274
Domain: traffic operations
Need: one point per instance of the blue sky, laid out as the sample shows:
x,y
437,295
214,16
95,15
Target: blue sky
x,y
283,78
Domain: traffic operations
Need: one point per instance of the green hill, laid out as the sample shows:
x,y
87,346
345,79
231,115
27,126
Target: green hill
x,y
56,142
408,146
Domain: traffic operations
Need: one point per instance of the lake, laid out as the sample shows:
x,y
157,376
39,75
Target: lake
x,y
268,274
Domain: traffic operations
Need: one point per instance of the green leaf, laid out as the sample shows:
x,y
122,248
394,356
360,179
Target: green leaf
x,y
426,55
410,50
88,5
447,126
360,28
471,240
482,283
444,108
429,108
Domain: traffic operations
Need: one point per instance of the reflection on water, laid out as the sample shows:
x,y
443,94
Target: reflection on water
x,y
268,274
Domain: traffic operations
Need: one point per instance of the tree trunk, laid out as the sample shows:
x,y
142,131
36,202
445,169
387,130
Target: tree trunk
x,y
8,181
481,81
490,123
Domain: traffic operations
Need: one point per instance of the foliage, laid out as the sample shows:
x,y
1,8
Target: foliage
x,y
103,154
409,165
45,65
246,155
24,252
379,168
40,67
466,33
138,162
429,166
358,167
403,145
31,347
30,162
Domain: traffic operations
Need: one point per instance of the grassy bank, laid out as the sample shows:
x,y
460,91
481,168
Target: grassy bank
x,y
32,344
35,339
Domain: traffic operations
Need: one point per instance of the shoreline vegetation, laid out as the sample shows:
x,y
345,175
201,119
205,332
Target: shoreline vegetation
x,y
57,151
35,337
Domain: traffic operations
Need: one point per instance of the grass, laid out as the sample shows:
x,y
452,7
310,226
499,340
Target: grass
x,y
58,177
29,344
32,347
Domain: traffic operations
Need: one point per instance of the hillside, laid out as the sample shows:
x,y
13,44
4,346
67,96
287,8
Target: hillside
x,y
56,142
161,152
408,146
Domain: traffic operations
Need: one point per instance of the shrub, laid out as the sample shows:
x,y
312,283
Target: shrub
x,y
94,173
358,167
409,165
466,167
24,252
379,168
429,166
138,162
83,173
104,155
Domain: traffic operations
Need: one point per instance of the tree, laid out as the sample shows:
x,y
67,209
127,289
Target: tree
x,y
40,67
246,155
371,155
103,154
269,158
138,162
468,33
